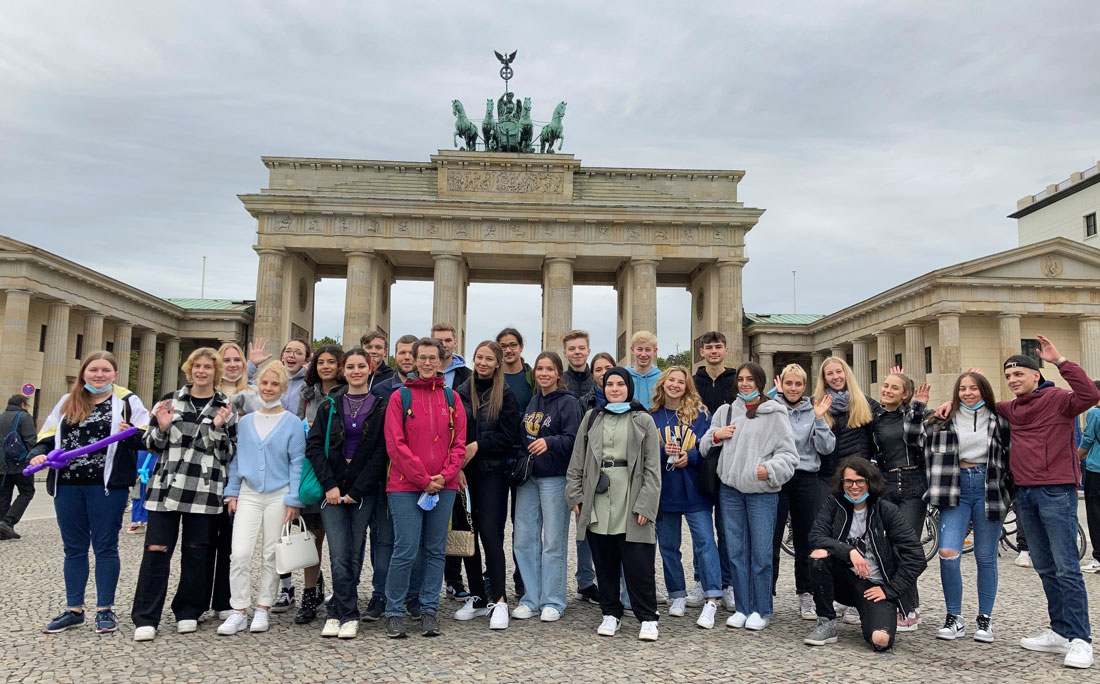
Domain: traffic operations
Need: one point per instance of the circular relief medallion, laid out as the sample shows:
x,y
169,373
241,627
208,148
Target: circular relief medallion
x,y
303,298
699,304
1051,266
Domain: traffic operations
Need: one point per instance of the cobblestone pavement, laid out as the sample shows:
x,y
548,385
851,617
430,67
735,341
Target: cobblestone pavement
x,y
569,650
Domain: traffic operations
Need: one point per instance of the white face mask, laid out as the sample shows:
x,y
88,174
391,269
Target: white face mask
x,y
226,378
273,404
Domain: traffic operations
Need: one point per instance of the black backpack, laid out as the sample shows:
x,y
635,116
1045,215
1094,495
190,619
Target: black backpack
x,y
15,451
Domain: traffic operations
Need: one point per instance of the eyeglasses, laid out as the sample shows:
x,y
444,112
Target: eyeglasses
x,y
510,345
855,483
294,352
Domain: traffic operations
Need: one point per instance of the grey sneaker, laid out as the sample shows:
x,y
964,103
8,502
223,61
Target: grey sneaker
x,y
429,626
806,607
824,633
395,627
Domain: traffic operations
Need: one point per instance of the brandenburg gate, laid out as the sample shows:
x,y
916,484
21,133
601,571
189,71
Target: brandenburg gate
x,y
472,216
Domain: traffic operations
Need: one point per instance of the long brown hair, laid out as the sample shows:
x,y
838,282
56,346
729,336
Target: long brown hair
x,y
496,392
984,388
78,404
759,378
556,360
690,404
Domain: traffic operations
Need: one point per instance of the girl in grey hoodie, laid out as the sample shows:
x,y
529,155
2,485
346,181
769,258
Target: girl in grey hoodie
x,y
758,456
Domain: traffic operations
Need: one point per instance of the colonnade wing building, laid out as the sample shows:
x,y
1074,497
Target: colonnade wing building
x,y
497,217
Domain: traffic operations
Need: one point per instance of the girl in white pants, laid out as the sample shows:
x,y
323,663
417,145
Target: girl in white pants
x,y
263,493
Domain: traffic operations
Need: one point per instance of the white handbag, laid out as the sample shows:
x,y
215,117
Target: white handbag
x,y
295,550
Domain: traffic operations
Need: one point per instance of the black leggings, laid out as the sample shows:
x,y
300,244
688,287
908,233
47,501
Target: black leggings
x,y
905,489
801,496
217,561
833,578
452,566
489,491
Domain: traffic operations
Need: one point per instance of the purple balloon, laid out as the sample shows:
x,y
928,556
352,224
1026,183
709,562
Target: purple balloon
x,y
59,459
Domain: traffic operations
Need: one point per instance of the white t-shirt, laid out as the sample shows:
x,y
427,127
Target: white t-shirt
x,y
859,537
266,422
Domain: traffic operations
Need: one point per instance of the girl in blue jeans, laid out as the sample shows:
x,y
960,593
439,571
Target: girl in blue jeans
x,y
966,457
90,493
681,421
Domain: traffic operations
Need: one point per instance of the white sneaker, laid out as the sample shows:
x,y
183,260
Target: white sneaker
x,y
348,630
224,614
498,615
737,620
728,601
677,607
471,611
706,618
1047,642
1091,566
187,626
233,624
806,607
331,628
1079,654
851,616
695,596
260,621
609,626
649,633
550,614
1023,560
522,612
756,623
146,633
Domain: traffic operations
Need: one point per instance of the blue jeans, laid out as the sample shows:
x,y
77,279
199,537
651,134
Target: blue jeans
x,y
417,531
701,526
1048,515
88,514
748,522
381,543
586,573
346,532
541,541
954,521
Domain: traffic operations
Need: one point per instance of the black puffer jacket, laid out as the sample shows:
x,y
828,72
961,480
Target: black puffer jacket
x,y
497,440
858,441
366,471
899,551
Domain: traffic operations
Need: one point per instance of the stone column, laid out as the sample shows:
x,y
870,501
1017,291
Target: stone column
x,y
13,346
1009,325
913,357
147,365
56,354
123,333
447,295
359,301
839,352
93,332
644,311
729,307
767,362
1089,327
170,371
884,352
950,352
557,300
269,298
816,359
861,364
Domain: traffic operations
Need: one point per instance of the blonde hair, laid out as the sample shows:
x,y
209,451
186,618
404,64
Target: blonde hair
x,y
690,404
282,375
643,336
210,353
795,370
859,411
241,383
78,404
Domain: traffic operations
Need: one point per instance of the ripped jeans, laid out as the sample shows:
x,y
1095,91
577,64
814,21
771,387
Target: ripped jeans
x,y
192,594
954,522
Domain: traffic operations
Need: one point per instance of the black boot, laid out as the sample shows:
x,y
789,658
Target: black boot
x,y
308,610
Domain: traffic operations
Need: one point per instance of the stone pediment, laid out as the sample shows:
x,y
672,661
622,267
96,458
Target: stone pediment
x,y
1052,259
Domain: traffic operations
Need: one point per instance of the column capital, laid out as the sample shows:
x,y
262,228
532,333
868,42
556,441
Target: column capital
x,y
635,261
18,290
123,324
1009,316
446,256
732,261
914,325
860,342
95,314
274,251
883,333
1088,319
560,259
360,252
60,304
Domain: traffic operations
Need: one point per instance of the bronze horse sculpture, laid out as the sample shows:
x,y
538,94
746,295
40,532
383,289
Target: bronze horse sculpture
x,y
553,132
463,127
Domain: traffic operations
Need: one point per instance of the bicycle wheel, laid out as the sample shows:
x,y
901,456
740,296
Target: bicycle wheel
x,y
1009,529
1082,542
930,539
787,542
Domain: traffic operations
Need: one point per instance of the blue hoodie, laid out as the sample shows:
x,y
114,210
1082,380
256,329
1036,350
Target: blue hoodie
x,y
644,384
556,418
678,492
457,362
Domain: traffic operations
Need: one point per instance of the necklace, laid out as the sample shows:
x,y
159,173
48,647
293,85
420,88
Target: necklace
x,y
354,408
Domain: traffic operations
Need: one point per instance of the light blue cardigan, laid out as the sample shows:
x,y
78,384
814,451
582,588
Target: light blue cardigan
x,y
269,464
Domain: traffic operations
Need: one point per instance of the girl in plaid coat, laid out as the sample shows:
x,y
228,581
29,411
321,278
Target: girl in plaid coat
x,y
966,460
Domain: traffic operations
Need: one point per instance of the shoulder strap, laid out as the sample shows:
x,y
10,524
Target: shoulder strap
x,y
449,395
406,404
15,425
588,426
328,429
127,409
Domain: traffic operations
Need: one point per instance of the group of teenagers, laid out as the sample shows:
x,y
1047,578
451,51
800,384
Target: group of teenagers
x,y
631,453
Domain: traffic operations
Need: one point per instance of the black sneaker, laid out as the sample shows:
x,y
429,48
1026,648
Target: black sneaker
x,y
374,610
8,532
395,627
105,621
589,594
307,612
457,592
64,621
321,588
429,627
412,607
285,601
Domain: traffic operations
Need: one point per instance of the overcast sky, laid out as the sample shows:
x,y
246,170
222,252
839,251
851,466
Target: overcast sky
x,y
883,139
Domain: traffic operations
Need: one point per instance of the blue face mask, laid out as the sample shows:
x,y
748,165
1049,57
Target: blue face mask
x,y
617,407
859,500
427,501
975,407
748,397
97,391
